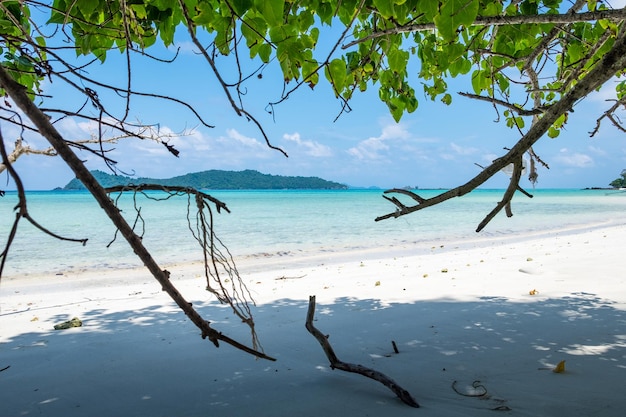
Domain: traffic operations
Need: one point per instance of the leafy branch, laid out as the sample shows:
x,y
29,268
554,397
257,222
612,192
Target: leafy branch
x,y
590,16
612,62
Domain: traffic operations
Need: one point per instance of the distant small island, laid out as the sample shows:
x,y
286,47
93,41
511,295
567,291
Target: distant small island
x,y
217,180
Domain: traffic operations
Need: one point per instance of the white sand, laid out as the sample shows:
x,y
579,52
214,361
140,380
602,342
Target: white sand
x,y
137,355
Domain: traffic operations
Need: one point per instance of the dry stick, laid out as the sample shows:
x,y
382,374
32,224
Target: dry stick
x,y
18,94
335,363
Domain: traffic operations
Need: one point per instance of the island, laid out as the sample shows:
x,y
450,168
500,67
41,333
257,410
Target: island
x,y
217,180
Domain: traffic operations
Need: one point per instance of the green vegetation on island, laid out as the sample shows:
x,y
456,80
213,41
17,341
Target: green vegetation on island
x,y
619,182
217,180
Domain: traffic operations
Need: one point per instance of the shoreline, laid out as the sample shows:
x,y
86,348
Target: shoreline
x,y
260,261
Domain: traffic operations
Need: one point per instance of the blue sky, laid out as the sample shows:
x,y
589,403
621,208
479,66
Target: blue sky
x,y
435,147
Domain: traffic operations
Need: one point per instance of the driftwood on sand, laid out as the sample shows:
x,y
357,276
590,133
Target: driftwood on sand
x,y
335,363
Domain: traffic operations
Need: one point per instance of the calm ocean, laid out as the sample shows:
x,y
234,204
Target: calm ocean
x,y
285,223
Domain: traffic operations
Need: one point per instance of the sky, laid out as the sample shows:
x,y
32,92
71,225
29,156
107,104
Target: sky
x,y
437,146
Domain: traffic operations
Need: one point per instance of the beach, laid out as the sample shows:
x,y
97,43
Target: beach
x,y
479,326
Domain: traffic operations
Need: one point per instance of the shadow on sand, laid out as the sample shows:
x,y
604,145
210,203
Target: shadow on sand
x,y
150,361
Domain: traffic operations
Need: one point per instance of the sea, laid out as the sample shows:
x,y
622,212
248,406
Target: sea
x,y
282,223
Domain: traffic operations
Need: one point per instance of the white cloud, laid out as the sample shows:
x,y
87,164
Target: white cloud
x,y
597,151
463,150
246,141
395,131
574,159
375,147
312,148
371,148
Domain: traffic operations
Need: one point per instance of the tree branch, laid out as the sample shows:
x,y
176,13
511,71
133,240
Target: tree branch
x,y
22,209
510,106
610,114
612,62
335,363
613,15
47,130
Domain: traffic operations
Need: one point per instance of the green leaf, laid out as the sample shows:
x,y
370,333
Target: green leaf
x,y
385,8
305,20
529,7
265,52
455,13
411,104
253,29
139,10
336,73
87,7
206,15
397,60
574,53
428,8
272,11
241,6
447,99
553,132
480,81
396,107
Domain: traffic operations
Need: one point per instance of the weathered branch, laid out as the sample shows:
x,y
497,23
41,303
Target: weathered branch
x,y
610,114
220,205
145,133
217,259
48,131
19,149
335,363
507,197
21,208
612,62
613,15
510,106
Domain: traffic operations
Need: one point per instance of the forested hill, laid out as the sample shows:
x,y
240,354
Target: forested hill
x,y
217,180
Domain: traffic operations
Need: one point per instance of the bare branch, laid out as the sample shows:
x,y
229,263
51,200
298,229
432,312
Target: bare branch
x,y
47,130
217,258
22,209
335,363
20,149
507,197
510,106
610,114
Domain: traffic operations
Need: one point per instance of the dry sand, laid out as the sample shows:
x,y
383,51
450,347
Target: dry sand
x,y
501,312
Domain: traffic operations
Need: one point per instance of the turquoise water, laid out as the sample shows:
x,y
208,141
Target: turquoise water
x,y
284,223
